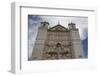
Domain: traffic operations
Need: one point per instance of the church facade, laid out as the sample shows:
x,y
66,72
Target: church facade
x,y
57,42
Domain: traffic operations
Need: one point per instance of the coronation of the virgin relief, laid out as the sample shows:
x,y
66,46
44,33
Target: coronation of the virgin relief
x,y
57,42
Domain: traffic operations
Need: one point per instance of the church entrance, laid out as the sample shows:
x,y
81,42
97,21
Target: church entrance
x,y
57,52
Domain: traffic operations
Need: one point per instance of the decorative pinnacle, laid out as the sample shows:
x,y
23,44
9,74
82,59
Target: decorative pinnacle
x,y
58,22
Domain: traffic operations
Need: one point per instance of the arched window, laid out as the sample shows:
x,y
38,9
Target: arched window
x,y
58,45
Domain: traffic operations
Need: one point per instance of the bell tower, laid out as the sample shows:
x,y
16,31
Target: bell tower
x,y
44,25
40,41
75,40
72,25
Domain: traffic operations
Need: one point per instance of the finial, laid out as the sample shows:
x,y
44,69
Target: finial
x,y
58,23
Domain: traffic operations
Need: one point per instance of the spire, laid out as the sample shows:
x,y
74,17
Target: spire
x,y
58,23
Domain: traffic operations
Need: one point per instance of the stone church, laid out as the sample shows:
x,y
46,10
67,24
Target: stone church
x,y
57,42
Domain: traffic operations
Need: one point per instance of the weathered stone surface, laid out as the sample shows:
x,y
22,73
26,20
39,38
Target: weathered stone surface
x,y
57,42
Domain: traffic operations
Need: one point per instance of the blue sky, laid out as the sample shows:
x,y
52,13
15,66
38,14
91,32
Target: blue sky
x,y
34,23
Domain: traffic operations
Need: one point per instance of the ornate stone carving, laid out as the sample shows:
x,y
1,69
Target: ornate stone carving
x,y
59,43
